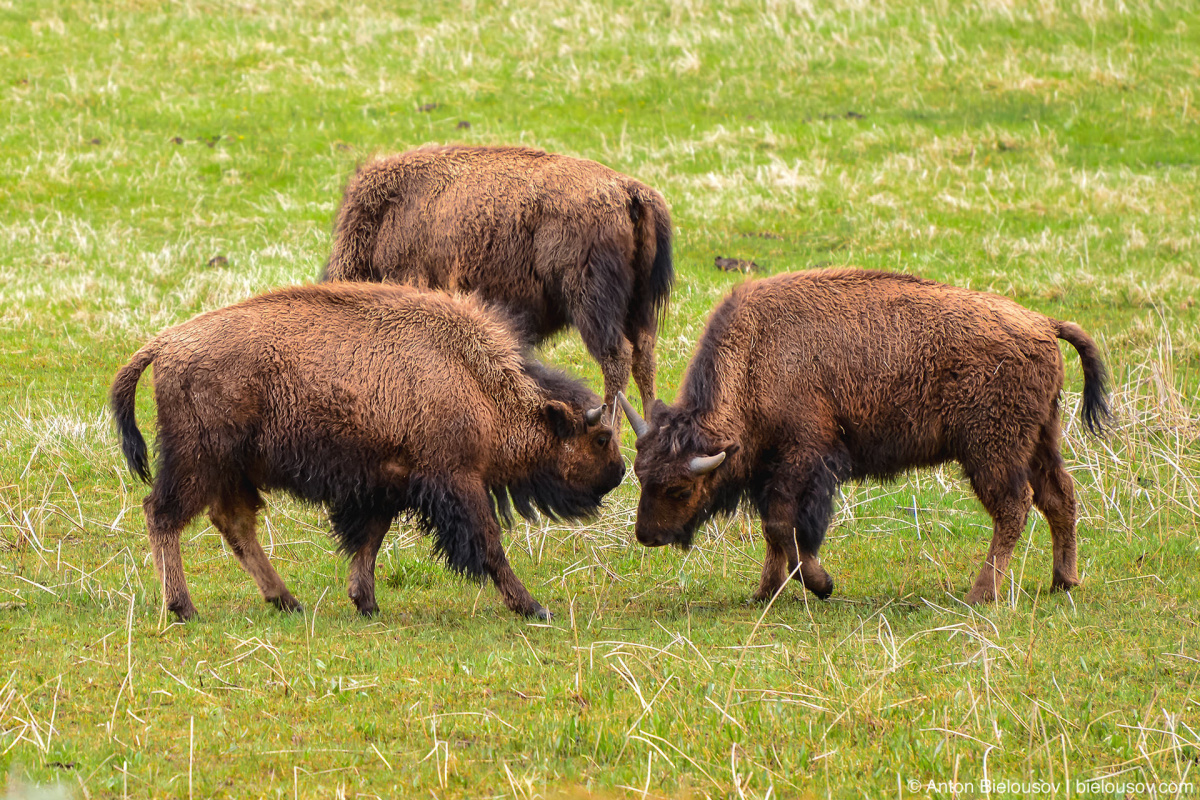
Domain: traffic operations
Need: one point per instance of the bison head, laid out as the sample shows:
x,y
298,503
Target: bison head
x,y
582,465
589,459
680,473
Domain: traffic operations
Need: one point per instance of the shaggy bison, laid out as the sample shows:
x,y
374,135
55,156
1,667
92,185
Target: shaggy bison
x,y
371,400
556,241
806,380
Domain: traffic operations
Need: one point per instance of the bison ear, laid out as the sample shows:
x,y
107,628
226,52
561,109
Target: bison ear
x,y
656,410
560,418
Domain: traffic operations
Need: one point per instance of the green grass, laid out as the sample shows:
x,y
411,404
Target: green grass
x,y
1046,150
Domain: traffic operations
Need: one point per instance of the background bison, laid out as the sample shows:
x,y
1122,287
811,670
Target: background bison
x,y
557,241
371,400
806,380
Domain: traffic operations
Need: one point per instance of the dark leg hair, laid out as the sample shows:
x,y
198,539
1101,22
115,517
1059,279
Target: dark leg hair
x,y
233,513
1054,495
796,507
360,524
172,503
362,566
1006,494
599,314
458,512
643,365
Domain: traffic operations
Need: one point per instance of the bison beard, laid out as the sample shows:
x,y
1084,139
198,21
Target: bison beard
x,y
326,392
803,381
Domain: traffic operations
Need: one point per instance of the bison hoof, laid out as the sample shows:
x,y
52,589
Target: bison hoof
x,y
539,612
761,596
821,586
183,610
978,597
286,603
369,611
1063,582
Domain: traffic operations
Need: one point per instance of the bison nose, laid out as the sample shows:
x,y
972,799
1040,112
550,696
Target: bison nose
x,y
615,476
648,538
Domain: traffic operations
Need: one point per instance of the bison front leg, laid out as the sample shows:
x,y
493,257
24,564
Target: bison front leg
x,y
796,510
468,536
791,552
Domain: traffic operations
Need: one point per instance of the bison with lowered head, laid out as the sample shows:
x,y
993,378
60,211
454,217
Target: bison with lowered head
x,y
556,241
806,380
371,400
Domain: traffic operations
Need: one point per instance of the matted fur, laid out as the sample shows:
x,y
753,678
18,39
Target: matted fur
x,y
558,241
809,379
371,400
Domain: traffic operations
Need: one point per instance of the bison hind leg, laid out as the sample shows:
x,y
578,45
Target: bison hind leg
x,y
599,311
233,513
170,506
644,365
1054,495
1007,496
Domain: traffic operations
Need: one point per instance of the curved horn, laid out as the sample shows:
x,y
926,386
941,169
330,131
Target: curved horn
x,y
594,415
639,425
702,465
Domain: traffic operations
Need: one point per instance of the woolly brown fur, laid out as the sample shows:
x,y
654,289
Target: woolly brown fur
x,y
809,379
557,241
371,400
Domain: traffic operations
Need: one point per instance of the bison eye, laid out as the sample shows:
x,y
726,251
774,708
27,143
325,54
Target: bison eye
x,y
602,440
679,492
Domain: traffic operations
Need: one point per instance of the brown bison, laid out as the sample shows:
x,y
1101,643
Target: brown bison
x,y
371,400
556,241
803,381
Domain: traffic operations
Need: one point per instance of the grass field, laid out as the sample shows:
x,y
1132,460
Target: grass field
x,y
160,159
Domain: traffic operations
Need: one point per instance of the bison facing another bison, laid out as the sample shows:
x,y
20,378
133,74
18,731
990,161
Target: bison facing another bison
x,y
371,400
803,381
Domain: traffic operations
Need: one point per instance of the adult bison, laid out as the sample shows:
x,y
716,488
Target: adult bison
x,y
556,241
806,380
371,400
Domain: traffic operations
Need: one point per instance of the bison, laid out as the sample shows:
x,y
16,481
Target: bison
x,y
370,400
805,380
556,241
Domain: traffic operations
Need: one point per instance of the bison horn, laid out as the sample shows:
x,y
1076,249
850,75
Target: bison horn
x,y
594,415
639,425
702,465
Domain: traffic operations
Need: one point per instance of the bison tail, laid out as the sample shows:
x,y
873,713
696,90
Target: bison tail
x,y
121,398
1096,414
655,267
358,219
